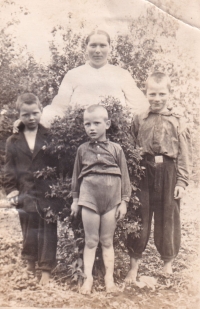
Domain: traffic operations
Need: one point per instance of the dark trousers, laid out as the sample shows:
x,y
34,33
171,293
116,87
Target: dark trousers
x,y
157,196
39,239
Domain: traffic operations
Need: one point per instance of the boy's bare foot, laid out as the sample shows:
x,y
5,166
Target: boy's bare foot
x,y
45,279
110,285
31,266
167,268
87,286
132,274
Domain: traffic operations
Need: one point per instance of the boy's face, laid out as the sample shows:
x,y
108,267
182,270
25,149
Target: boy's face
x,y
157,95
96,125
30,115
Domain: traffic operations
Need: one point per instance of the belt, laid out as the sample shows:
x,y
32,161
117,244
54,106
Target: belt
x,y
157,158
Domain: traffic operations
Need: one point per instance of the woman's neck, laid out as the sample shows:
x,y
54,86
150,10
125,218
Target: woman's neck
x,y
97,66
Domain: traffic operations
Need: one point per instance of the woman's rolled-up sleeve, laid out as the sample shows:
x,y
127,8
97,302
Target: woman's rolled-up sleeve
x,y
60,102
135,98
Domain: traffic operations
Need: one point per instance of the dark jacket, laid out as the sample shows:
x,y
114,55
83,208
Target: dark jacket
x,y
20,167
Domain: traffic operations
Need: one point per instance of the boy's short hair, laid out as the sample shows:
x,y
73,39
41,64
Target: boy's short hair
x,y
95,107
158,77
28,98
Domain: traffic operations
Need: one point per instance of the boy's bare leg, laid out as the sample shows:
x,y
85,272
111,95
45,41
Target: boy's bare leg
x,y
107,229
167,268
91,223
31,266
132,274
45,279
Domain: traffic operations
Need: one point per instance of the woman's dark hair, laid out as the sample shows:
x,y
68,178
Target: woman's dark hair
x,y
97,32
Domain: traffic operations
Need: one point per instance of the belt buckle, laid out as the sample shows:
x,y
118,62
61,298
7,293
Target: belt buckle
x,y
158,159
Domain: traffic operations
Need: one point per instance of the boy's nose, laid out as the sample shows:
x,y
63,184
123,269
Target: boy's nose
x,y
157,98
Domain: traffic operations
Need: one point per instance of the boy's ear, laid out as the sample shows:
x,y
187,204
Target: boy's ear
x,y
108,123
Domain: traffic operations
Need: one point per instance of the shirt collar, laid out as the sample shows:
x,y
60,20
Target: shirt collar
x,y
149,111
99,142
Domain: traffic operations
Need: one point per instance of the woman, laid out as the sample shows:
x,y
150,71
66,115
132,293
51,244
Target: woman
x,y
89,83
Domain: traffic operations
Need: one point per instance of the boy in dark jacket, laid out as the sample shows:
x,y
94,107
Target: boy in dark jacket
x,y
165,141
25,154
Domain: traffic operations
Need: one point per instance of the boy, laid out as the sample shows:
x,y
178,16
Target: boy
x,y
166,145
24,156
101,187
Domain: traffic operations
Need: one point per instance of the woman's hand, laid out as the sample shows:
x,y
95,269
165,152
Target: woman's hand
x,y
16,126
75,208
121,211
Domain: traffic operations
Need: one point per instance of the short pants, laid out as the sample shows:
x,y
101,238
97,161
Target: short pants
x,y
100,193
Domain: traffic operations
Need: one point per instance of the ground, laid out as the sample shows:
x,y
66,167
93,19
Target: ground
x,y
178,291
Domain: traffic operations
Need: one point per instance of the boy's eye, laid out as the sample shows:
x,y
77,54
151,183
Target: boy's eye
x,y
162,94
86,124
96,123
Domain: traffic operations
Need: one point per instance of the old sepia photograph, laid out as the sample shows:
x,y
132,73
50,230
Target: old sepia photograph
x,y
99,154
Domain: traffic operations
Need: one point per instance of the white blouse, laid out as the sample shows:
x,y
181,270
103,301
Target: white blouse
x,y
85,86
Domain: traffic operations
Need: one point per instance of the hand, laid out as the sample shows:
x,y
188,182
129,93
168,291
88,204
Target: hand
x,y
121,211
16,126
13,198
75,208
178,192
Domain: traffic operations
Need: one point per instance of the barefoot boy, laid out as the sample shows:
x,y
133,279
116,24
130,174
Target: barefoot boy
x,y
101,187
165,140
24,156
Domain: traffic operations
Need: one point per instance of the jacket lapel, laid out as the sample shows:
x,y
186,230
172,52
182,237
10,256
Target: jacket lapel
x,y
22,144
40,140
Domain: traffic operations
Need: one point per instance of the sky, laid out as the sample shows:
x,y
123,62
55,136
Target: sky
x,y
35,27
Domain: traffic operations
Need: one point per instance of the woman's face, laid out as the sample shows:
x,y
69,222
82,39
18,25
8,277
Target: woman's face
x,y
98,50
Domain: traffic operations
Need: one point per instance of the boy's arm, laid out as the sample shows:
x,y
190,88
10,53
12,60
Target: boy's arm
x,y
75,175
125,186
135,128
125,180
184,161
10,173
76,184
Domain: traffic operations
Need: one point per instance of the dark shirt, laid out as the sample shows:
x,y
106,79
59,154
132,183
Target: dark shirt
x,y
101,158
167,134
